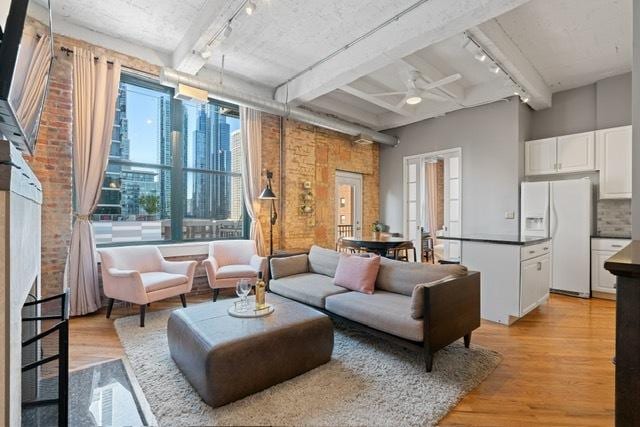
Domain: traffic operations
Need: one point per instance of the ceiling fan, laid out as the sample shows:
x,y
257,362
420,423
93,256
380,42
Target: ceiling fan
x,y
419,88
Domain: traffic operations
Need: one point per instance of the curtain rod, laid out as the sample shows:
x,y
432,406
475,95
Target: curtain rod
x,y
146,74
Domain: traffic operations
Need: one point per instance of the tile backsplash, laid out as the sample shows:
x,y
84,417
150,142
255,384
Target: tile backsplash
x,y
614,217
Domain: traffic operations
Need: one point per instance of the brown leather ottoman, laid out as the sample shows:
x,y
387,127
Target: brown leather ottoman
x,y
227,358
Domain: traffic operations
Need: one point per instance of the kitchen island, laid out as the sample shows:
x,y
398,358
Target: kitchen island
x,y
515,272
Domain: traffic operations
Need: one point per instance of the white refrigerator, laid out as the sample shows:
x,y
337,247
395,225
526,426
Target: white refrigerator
x,y
563,211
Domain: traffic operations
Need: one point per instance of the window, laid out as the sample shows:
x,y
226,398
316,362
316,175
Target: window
x,y
174,170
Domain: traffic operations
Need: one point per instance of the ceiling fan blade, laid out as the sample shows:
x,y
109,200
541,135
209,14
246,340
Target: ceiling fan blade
x,y
445,81
388,93
434,96
403,102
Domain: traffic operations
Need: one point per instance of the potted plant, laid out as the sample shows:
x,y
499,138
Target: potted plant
x,y
376,229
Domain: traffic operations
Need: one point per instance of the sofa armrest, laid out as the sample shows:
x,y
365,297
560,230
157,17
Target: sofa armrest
x,y
451,310
123,274
186,268
211,267
259,263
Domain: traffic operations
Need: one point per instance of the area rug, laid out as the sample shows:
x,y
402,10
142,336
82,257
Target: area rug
x,y
369,381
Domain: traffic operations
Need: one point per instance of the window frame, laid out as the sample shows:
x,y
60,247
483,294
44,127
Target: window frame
x,y
176,168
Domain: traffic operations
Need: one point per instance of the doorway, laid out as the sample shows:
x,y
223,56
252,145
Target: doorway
x,y
432,202
348,204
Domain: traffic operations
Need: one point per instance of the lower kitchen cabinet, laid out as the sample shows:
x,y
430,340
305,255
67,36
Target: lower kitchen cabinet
x,y
514,279
601,250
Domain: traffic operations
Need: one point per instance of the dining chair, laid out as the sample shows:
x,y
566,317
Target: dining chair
x,y
401,252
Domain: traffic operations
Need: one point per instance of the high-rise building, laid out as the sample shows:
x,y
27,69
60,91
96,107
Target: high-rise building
x,y
236,167
165,154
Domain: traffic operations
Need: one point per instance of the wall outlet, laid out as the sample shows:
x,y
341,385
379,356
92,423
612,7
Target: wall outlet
x,y
510,215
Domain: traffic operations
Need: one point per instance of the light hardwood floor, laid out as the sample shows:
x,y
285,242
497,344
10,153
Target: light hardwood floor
x,y
556,367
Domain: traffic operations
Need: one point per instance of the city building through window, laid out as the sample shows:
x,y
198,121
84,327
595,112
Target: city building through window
x,y
174,169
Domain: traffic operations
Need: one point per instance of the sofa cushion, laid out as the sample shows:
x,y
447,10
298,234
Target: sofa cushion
x,y
288,266
157,280
384,311
357,273
308,288
401,277
323,261
234,270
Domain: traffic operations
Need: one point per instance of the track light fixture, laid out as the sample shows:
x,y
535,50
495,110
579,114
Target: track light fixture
x,y
250,7
480,56
494,68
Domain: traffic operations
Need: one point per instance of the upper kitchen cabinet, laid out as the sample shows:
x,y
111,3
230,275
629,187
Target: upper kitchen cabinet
x,y
540,156
564,154
576,153
614,161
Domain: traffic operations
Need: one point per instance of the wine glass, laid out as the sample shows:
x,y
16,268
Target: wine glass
x,y
243,287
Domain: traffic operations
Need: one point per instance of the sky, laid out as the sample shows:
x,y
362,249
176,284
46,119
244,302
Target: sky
x,y
142,112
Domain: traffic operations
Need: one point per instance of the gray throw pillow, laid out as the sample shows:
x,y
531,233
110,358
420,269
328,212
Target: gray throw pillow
x,y
288,266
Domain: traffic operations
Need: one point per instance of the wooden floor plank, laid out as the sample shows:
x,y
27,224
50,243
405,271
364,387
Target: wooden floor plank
x,y
556,367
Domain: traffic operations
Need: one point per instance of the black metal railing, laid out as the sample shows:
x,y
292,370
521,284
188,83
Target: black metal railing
x,y
62,356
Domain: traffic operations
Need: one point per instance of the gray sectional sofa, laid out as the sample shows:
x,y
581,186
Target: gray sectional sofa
x,y
429,305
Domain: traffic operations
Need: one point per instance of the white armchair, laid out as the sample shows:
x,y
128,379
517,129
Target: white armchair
x,y
140,275
232,260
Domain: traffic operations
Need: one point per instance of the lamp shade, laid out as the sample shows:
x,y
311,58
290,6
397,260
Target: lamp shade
x,y
267,194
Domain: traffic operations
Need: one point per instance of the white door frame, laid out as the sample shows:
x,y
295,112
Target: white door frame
x,y
422,180
356,180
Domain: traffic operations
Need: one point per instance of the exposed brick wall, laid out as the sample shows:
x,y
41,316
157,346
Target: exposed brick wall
x,y
314,154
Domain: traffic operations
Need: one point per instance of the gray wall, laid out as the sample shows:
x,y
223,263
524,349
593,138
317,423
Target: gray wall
x,y
491,164
635,197
604,104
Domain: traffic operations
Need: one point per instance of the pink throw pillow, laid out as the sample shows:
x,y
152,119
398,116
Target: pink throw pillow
x,y
357,273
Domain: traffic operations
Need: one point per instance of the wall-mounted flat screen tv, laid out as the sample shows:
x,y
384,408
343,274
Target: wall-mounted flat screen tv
x,y
26,54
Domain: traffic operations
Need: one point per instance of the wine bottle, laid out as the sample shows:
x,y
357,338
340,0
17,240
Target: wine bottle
x,y
261,290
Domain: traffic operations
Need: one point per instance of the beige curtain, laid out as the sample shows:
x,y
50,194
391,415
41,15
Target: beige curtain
x,y
34,82
95,90
252,184
432,198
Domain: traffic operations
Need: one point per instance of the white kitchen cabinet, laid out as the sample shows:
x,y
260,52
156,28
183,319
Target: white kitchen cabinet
x,y
576,153
540,157
514,279
613,147
563,154
535,281
601,250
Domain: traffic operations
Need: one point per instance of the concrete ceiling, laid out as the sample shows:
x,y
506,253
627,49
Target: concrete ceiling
x,y
573,42
293,50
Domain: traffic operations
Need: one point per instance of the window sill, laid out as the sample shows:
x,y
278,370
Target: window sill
x,y
170,250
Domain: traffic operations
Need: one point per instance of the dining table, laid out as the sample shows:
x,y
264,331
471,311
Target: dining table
x,y
379,245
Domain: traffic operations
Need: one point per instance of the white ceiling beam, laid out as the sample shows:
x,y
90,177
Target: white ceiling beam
x,y
334,107
488,92
376,101
186,56
429,23
498,43
432,74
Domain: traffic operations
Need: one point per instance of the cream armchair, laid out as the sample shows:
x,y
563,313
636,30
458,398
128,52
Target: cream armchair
x,y
140,275
232,260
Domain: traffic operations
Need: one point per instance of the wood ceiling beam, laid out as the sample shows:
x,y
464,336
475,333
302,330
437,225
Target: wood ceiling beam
x,y
429,23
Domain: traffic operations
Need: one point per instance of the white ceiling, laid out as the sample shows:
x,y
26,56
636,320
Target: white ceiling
x,y
546,45
573,42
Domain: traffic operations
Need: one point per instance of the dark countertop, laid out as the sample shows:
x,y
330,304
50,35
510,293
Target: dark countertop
x,y
609,236
503,239
626,262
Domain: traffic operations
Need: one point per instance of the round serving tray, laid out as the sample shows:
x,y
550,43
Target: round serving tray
x,y
251,312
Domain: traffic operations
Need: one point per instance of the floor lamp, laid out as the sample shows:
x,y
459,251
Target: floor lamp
x,y
268,194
